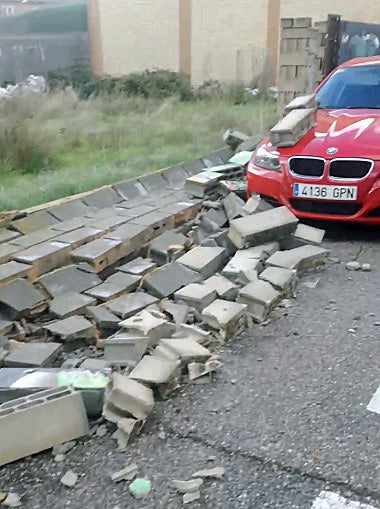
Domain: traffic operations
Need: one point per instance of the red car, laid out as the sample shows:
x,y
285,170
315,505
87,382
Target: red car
x,y
333,172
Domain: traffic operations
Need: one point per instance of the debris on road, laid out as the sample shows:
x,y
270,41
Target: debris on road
x,y
12,500
187,486
126,474
210,473
140,488
69,479
132,299
188,498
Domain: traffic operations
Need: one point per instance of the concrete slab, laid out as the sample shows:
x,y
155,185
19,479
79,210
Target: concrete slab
x,y
282,280
33,222
152,370
124,349
21,299
68,279
234,206
34,355
94,364
166,280
260,298
106,223
80,236
269,226
129,305
132,236
138,266
158,248
34,238
15,270
183,210
196,296
99,253
302,258
240,266
8,235
7,251
114,286
309,234
153,181
148,324
130,189
204,260
69,210
45,257
130,396
226,317
184,349
70,304
176,176
101,198
71,329
104,319
157,220
223,287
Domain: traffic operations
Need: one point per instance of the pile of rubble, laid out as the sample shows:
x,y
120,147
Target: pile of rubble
x,y
115,307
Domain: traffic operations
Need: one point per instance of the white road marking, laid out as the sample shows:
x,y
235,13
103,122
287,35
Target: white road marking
x,y
329,500
374,404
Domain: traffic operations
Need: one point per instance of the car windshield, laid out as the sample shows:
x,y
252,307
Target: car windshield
x,y
351,87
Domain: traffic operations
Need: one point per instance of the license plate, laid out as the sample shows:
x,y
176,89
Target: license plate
x,y
341,193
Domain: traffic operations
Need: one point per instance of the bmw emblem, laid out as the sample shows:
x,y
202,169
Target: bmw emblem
x,y
331,151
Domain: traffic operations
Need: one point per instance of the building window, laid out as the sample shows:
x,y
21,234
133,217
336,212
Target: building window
x,y
7,10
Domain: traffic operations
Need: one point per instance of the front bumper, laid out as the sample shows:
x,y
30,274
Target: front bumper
x,y
277,188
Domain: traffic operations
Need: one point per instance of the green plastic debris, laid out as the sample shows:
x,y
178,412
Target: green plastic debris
x,y
140,488
241,158
82,380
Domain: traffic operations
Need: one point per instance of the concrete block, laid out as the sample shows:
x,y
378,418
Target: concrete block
x,y
204,260
184,349
34,355
100,253
282,280
128,305
103,318
286,22
195,295
130,190
132,236
199,185
288,131
138,266
71,329
34,238
148,324
302,259
45,257
114,286
70,304
68,279
80,236
158,249
176,176
8,235
234,138
124,349
234,206
256,204
260,298
94,364
269,226
178,313
166,280
61,411
130,397
152,370
251,144
224,288
302,102
228,318
183,211
69,210
33,222
70,224
309,234
157,220
101,198
20,299
7,251
153,181
15,270
241,265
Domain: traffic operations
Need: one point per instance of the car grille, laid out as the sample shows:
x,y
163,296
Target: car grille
x,y
326,207
307,166
349,169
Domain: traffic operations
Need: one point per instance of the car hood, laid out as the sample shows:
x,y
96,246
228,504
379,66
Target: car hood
x,y
353,133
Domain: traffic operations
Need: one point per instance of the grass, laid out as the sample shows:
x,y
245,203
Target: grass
x,y
54,146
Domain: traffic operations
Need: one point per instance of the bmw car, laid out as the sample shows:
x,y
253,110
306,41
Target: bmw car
x,y
333,171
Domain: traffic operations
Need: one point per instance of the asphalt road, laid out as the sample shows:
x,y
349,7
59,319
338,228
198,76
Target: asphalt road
x,y
286,417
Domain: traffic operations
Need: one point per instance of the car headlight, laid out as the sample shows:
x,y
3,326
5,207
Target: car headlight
x,y
267,160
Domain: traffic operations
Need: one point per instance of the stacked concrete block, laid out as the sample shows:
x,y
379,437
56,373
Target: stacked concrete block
x,y
289,130
302,51
34,423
